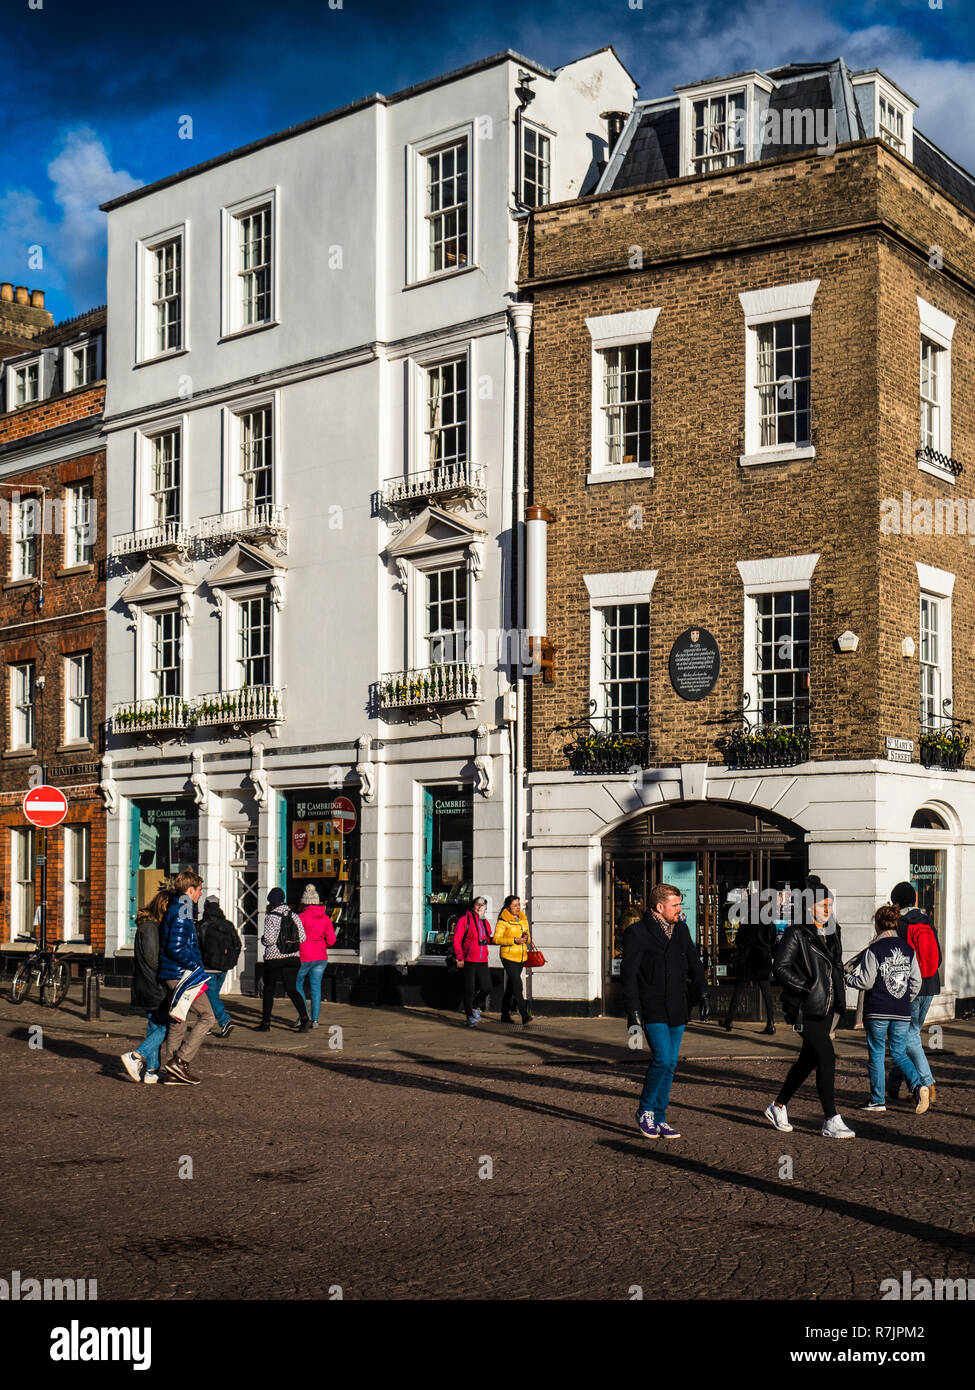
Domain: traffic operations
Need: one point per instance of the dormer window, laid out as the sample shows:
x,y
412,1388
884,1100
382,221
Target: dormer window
x,y
892,124
718,132
885,111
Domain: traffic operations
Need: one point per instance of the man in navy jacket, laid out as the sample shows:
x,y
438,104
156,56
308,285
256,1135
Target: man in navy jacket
x,y
179,951
660,962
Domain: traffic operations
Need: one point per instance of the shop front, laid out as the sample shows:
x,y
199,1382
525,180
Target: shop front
x,y
321,832
448,864
163,841
717,855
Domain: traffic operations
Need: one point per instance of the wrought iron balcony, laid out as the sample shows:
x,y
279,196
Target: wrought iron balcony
x,y
264,520
166,537
599,750
446,480
146,716
941,742
758,742
251,704
926,454
447,683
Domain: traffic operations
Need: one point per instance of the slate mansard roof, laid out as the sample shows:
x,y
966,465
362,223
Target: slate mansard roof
x,y
648,150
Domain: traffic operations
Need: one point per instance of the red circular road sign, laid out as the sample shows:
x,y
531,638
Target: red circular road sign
x,y
344,811
45,806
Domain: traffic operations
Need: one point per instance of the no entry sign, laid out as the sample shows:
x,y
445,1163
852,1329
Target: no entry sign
x,y
344,812
45,806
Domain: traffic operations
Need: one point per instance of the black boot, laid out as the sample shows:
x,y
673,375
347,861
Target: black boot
x,y
769,1029
727,1025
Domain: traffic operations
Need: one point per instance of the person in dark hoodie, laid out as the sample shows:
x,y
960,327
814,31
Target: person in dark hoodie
x,y
281,959
917,929
148,992
220,948
808,964
660,964
754,943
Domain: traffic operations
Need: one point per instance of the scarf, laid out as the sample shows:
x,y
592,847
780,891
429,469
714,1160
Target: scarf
x,y
666,927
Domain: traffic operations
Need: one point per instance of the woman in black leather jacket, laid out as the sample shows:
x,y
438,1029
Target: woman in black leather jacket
x,y
808,965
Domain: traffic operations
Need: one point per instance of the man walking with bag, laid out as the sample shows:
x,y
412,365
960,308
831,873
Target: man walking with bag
x,y
660,963
179,956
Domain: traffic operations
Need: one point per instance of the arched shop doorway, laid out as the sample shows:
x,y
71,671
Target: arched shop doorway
x,y
716,854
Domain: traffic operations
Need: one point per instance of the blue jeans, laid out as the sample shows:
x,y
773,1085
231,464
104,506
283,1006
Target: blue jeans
x,y
664,1044
894,1033
313,970
216,978
155,1037
915,1048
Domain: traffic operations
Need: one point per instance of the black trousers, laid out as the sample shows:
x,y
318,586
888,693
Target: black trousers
x,y
477,986
765,986
286,971
816,1053
513,992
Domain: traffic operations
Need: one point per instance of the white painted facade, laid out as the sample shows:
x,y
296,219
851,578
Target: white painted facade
x,y
354,324
857,818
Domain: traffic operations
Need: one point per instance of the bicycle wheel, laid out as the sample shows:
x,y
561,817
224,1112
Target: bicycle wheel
x,y
20,988
57,983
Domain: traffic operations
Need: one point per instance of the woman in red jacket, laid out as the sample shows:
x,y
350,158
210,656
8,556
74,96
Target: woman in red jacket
x,y
472,937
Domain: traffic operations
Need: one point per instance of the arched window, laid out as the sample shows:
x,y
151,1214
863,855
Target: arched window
x,y
925,819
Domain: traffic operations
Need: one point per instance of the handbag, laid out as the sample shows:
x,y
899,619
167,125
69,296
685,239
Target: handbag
x,y
534,959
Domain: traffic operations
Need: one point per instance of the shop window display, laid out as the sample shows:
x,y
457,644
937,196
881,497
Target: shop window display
x,y
448,845
323,849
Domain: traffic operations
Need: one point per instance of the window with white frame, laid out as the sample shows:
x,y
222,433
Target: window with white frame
x,y
166,665
937,331
930,660
778,372
165,296
536,167
22,695
446,418
621,393
79,541
783,382
77,883
626,404
77,693
253,265
625,677
26,383
256,456
21,883
166,476
25,519
781,663
446,615
253,664
891,122
446,207
718,132
80,364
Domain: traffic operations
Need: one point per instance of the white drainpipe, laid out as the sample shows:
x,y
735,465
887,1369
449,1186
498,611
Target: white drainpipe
x,y
521,320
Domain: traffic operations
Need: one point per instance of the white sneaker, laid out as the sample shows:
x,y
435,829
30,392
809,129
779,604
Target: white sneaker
x,y
150,1078
133,1064
878,1109
834,1128
779,1116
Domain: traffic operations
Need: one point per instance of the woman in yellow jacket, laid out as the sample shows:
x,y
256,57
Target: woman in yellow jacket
x,y
513,934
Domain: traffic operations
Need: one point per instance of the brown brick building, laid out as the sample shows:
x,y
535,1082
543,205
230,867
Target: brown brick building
x,y
52,626
760,571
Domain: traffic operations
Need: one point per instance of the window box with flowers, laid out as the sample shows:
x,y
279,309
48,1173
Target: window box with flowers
x,y
766,745
943,748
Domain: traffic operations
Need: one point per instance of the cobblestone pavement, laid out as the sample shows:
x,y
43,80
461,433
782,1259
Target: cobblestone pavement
x,y
314,1168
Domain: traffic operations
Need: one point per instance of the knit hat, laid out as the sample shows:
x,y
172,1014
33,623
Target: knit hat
x,y
818,889
903,895
309,897
275,898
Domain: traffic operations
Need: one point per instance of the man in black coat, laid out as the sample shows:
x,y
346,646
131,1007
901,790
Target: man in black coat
x,y
660,963
755,944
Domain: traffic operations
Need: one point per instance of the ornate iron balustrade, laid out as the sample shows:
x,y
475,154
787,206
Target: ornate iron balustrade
x,y
757,743
146,716
251,704
941,742
927,454
445,480
455,682
605,751
263,519
164,536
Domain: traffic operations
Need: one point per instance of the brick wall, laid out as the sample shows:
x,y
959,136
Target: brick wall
x,y
860,222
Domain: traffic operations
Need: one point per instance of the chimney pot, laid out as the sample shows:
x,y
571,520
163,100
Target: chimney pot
x,y
7,291
22,296
37,299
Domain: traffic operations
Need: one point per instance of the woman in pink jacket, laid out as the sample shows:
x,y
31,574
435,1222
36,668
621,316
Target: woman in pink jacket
x,y
472,936
319,934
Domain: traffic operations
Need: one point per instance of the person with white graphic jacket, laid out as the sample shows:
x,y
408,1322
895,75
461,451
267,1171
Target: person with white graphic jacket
x,y
890,976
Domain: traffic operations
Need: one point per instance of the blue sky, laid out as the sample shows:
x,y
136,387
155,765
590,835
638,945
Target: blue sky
x,y
93,93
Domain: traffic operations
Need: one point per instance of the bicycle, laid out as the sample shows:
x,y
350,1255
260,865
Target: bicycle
x,y
53,978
